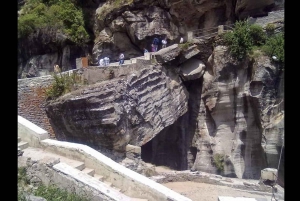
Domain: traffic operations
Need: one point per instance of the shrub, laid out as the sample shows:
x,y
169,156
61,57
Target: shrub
x,y
218,160
185,46
62,84
274,46
53,193
257,34
50,193
243,38
61,14
270,28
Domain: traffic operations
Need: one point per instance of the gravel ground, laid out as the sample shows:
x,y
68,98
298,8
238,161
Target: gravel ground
x,y
208,192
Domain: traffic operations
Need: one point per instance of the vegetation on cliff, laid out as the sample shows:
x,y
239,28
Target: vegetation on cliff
x,y
62,84
61,15
50,193
247,37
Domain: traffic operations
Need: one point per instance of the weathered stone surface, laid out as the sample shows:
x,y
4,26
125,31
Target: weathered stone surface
x,y
167,54
246,8
111,114
189,53
129,27
192,69
111,45
233,123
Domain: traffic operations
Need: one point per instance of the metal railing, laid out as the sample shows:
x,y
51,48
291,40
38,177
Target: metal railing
x,y
210,32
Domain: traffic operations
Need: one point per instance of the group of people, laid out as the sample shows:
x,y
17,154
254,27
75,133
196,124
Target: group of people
x,y
105,61
156,42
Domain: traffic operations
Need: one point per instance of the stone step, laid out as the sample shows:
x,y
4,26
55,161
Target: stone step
x,y
108,183
23,145
76,164
89,171
19,139
90,181
99,177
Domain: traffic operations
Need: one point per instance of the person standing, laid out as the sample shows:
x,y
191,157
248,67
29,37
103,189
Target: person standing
x,y
155,44
101,63
181,40
106,61
121,59
152,47
164,43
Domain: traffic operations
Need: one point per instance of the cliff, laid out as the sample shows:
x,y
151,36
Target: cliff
x,y
106,28
191,109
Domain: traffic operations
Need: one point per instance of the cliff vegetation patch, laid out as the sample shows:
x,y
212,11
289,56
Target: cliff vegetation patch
x,y
219,161
64,83
61,15
246,38
50,193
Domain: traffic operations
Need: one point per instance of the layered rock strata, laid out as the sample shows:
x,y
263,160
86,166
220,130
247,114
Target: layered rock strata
x,y
111,114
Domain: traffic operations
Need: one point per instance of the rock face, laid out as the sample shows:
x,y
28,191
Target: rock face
x,y
226,113
128,27
131,109
196,109
234,103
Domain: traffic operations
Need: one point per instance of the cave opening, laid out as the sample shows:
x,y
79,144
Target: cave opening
x,y
166,149
146,153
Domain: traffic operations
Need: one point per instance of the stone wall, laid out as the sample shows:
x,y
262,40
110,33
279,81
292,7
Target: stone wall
x,y
32,100
45,173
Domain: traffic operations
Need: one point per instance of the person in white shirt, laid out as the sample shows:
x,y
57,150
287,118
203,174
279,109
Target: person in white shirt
x,y
181,40
106,61
121,59
164,43
101,62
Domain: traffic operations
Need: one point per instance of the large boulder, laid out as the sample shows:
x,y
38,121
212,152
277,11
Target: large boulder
x,y
130,109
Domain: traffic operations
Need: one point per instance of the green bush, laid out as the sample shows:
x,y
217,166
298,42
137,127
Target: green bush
x,y
219,161
274,46
61,14
50,193
257,35
53,193
243,38
185,46
270,28
63,83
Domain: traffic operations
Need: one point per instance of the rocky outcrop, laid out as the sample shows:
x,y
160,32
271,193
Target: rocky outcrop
x,y
236,97
192,69
128,27
246,8
193,106
111,114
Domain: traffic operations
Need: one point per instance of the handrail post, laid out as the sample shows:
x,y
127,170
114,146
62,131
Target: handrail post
x,y
190,36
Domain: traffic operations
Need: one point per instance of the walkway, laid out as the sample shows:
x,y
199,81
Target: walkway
x,y
41,155
85,169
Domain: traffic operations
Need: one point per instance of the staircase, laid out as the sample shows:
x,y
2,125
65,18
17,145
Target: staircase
x,y
42,155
